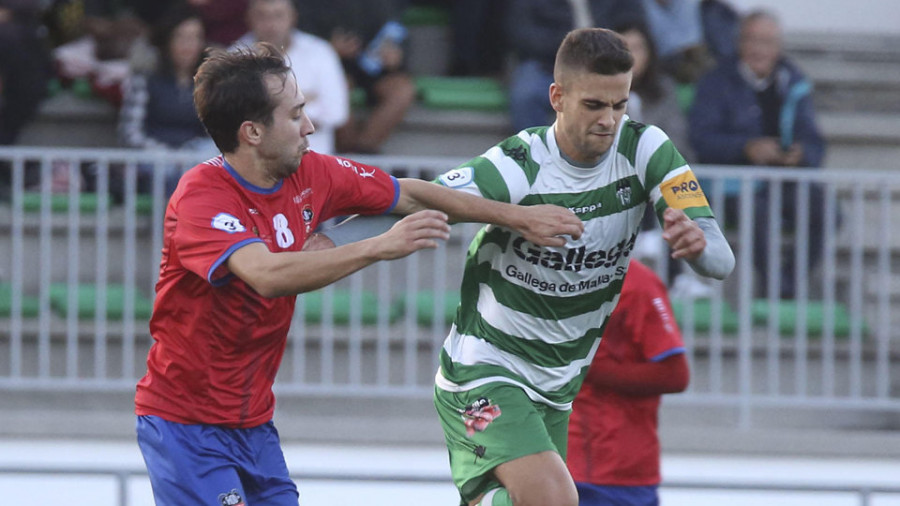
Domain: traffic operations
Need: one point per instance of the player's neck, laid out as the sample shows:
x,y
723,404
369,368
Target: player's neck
x,y
250,168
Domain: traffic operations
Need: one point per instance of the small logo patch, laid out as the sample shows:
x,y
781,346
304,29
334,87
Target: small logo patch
x,y
232,498
623,192
478,415
228,223
458,177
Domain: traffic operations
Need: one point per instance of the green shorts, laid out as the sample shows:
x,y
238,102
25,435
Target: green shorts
x,y
493,424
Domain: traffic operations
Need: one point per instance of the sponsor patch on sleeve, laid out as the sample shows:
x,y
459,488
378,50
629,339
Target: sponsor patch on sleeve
x,y
228,223
683,191
457,177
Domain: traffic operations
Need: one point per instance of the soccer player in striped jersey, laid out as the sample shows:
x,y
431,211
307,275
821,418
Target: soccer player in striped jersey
x,y
531,317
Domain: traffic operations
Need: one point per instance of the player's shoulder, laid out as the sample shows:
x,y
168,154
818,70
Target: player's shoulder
x,y
640,277
209,171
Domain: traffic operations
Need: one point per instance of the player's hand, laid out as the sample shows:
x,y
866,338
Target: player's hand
x,y
763,151
417,231
683,235
546,224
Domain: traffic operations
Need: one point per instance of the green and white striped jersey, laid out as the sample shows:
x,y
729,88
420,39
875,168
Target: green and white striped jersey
x,y
533,316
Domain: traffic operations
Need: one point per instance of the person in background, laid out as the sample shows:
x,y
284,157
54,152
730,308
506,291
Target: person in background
x,y
107,32
223,20
614,447
25,67
758,110
676,28
233,261
720,28
25,70
314,62
369,39
535,29
158,107
654,101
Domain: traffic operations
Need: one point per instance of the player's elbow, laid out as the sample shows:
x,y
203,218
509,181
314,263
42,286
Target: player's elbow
x,y
680,376
681,382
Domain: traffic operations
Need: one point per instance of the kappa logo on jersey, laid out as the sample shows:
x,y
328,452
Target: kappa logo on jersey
x,y
228,223
572,259
458,177
683,191
478,415
518,153
232,498
360,171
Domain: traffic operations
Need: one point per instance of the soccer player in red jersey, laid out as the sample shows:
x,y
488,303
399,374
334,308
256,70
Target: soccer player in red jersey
x,y
233,261
613,444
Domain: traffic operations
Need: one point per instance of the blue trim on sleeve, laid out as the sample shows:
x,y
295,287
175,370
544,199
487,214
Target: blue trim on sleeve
x,y
396,195
247,184
668,353
234,247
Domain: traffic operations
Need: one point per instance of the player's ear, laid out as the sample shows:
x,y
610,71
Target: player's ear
x,y
556,94
250,132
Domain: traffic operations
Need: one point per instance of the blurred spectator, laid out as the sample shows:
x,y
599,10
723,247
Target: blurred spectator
x,y
25,70
24,66
613,441
654,101
758,110
100,55
223,20
720,28
536,28
654,97
479,37
158,107
315,64
369,39
677,31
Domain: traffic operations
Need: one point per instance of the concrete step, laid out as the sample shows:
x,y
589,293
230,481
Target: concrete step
x,y
848,46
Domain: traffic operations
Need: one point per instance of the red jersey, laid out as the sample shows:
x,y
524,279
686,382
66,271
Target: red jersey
x,y
217,343
612,438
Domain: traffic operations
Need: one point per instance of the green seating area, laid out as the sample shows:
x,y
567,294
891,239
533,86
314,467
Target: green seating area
x,y
313,305
86,301
87,203
425,310
786,317
30,304
700,316
461,93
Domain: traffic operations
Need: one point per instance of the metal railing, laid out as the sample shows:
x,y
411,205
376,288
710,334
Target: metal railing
x,y
82,229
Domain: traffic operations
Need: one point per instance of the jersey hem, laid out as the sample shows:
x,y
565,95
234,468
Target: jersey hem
x,y
448,386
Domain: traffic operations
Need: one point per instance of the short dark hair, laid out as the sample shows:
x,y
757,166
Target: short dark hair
x,y
230,88
596,50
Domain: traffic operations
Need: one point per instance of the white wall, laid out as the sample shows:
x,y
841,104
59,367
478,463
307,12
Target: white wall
x,y
845,16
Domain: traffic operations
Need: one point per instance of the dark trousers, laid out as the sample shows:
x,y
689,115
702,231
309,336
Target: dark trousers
x,y
791,236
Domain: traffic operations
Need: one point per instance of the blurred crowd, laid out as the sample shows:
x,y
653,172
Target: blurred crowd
x,y
714,79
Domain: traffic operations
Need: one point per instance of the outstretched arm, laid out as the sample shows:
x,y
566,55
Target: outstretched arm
x,y
287,273
542,224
